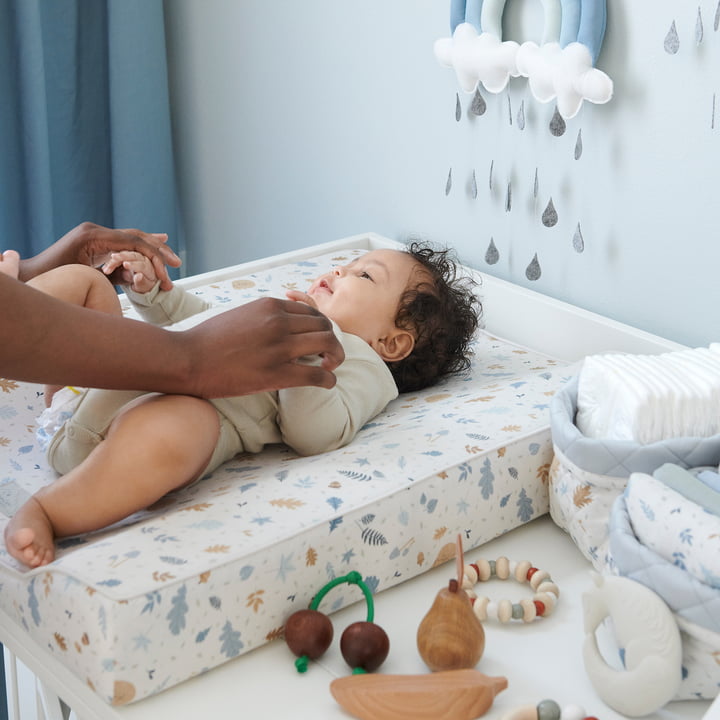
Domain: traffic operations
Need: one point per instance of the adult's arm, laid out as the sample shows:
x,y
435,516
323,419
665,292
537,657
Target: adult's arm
x,y
248,349
90,244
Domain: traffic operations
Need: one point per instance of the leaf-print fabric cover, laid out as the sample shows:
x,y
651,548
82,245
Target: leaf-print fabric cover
x,y
213,571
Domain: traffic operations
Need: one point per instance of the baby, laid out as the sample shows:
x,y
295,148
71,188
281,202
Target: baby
x,y
405,319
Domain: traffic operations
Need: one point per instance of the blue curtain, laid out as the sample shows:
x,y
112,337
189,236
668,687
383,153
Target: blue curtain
x,y
84,119
84,124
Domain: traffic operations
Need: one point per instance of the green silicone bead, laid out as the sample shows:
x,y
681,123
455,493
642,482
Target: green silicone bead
x,y
548,710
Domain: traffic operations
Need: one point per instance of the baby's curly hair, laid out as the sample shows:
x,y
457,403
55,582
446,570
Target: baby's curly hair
x,y
443,313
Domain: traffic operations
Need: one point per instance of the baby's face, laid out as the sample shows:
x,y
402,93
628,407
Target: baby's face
x,y
363,296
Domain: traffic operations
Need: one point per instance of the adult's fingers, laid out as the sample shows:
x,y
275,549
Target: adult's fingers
x,y
159,242
323,343
296,375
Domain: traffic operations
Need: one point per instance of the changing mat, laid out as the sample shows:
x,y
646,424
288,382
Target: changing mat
x,y
213,570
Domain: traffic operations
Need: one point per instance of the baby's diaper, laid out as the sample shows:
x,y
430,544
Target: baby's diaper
x,y
62,407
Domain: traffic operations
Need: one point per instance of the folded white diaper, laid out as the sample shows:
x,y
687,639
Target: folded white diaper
x,y
648,398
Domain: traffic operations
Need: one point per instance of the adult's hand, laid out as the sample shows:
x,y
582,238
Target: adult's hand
x,y
90,244
10,263
260,346
251,348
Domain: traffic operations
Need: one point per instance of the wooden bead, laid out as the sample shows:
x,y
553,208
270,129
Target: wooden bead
x,y
502,568
470,577
529,611
480,607
538,577
547,599
504,610
364,645
521,570
549,587
308,632
484,568
524,712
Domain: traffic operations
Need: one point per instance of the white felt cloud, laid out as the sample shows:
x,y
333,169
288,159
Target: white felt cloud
x,y
478,58
566,74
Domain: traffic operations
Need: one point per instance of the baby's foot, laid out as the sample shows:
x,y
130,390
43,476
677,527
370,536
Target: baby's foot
x,y
29,536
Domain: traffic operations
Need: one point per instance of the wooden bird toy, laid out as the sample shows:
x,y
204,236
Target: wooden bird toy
x,y
457,694
450,636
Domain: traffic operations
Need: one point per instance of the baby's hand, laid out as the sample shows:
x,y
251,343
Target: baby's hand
x,y
10,263
137,271
302,297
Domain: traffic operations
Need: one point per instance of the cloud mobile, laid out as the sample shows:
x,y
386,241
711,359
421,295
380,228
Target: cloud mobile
x,y
561,68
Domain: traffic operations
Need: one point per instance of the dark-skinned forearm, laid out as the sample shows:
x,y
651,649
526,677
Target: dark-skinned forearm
x,y
47,341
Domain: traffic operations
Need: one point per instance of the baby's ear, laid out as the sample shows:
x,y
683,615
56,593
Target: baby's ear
x,y
396,346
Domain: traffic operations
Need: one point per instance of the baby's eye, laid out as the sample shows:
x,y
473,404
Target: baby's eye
x,y
365,275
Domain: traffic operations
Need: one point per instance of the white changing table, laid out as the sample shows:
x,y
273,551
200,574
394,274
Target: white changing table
x,y
541,660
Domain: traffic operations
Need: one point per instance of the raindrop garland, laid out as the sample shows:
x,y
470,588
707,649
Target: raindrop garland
x,y
492,255
478,105
577,241
557,124
578,145
699,30
550,216
672,41
533,272
557,127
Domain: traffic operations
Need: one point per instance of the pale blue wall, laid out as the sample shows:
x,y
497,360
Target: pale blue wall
x,y
302,122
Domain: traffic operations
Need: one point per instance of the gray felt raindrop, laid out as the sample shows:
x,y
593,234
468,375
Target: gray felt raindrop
x,y
521,115
672,41
550,216
535,184
509,109
448,184
712,118
578,145
716,25
578,242
473,186
532,271
492,255
508,198
478,105
557,124
458,108
490,180
699,30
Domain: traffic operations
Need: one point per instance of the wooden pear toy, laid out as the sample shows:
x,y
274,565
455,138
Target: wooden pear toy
x,y
450,637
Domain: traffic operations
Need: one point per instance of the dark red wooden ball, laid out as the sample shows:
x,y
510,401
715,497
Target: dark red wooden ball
x,y
364,645
308,632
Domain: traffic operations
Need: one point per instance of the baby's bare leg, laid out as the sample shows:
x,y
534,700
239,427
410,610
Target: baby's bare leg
x,y
154,446
78,285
